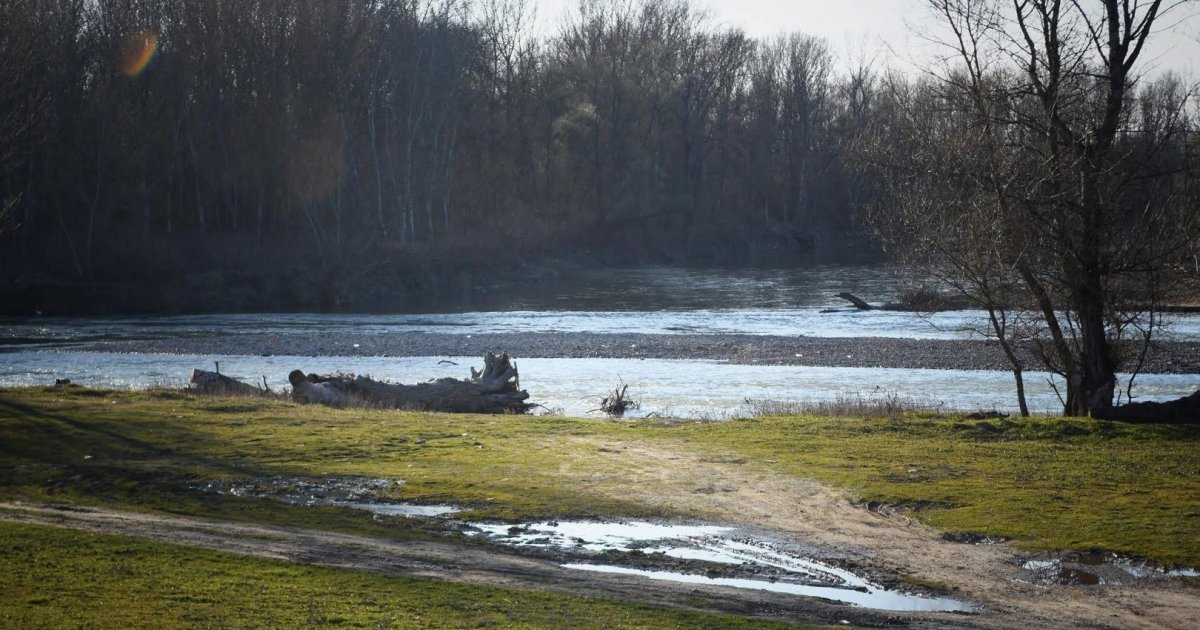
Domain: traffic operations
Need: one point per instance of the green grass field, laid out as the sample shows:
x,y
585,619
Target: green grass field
x,y
1047,483
117,582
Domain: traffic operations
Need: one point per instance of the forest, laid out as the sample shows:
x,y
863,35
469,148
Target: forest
x,y
326,153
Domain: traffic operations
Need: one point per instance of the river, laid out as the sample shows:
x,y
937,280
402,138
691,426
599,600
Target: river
x,y
663,301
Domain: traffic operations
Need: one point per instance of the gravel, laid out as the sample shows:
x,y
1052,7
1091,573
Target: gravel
x,y
1166,358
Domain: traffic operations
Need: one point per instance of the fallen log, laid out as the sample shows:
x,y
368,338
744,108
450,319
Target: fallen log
x,y
495,389
206,382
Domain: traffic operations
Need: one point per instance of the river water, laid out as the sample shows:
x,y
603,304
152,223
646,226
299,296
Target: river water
x,y
654,300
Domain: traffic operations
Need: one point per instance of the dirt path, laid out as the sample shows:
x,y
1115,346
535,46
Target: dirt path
x,y
732,490
458,563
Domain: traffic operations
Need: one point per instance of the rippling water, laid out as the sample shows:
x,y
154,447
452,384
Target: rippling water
x,y
696,389
811,322
665,301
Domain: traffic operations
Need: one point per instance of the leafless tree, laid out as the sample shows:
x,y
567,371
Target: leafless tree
x,y
19,100
1035,188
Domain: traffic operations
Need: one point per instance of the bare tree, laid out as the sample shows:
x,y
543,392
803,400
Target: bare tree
x,y
19,99
1041,180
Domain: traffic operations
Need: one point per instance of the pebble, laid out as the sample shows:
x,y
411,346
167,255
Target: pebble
x,y
1168,358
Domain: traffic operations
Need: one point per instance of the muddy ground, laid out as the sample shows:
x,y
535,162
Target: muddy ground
x,y
1164,358
882,543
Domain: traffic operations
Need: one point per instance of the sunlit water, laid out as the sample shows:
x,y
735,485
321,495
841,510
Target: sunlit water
x,y
792,573
809,322
649,300
655,300
696,389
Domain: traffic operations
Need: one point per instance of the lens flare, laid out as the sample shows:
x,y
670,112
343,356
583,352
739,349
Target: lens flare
x,y
136,52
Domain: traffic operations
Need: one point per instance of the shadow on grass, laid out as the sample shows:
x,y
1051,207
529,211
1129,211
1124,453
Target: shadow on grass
x,y
41,436
78,448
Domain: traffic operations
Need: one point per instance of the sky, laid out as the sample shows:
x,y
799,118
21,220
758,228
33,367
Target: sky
x,y
879,30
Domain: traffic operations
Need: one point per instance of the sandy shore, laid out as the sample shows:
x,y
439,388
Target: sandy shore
x,y
1167,358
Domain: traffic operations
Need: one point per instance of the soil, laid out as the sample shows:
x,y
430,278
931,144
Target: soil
x,y
728,490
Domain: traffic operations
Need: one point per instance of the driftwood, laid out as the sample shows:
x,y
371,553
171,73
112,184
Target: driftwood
x,y
207,382
858,302
496,389
1184,410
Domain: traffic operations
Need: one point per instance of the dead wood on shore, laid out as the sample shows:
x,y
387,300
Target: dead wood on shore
x,y
495,389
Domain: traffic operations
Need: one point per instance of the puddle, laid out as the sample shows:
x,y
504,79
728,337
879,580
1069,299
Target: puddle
x,y
403,509
880,600
1091,569
706,554
353,492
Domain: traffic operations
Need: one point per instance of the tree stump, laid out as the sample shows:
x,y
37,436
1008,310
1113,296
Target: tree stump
x,y
206,382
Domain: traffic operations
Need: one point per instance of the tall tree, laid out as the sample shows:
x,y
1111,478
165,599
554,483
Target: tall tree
x,y
1042,180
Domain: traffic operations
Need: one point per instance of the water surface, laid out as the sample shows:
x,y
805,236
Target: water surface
x,y
36,351
695,389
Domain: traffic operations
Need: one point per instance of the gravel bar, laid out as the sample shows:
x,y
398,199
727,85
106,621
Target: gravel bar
x,y
1165,358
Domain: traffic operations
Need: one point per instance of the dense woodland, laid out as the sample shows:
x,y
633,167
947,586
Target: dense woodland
x,y
361,143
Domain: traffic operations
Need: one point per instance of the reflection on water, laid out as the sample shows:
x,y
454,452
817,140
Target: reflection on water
x,y
773,569
574,386
879,599
662,288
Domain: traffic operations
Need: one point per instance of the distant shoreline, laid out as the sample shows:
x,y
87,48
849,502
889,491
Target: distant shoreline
x,y
896,353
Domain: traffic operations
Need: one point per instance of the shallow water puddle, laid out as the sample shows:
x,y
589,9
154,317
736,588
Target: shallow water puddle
x,y
729,559
403,509
352,492
1090,569
877,599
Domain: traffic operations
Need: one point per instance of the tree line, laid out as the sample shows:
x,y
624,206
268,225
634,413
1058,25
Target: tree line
x,y
1036,171
165,132
350,128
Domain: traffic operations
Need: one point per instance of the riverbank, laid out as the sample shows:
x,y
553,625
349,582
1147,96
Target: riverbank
x,y
937,354
849,489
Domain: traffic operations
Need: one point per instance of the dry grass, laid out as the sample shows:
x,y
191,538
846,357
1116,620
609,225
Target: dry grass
x,y
887,405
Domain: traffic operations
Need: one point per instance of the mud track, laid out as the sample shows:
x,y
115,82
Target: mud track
x,y
732,489
729,490
451,562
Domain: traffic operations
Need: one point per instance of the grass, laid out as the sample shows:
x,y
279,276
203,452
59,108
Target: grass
x,y
144,448
117,582
1048,483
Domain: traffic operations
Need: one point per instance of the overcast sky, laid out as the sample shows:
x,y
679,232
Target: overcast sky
x,y
876,28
